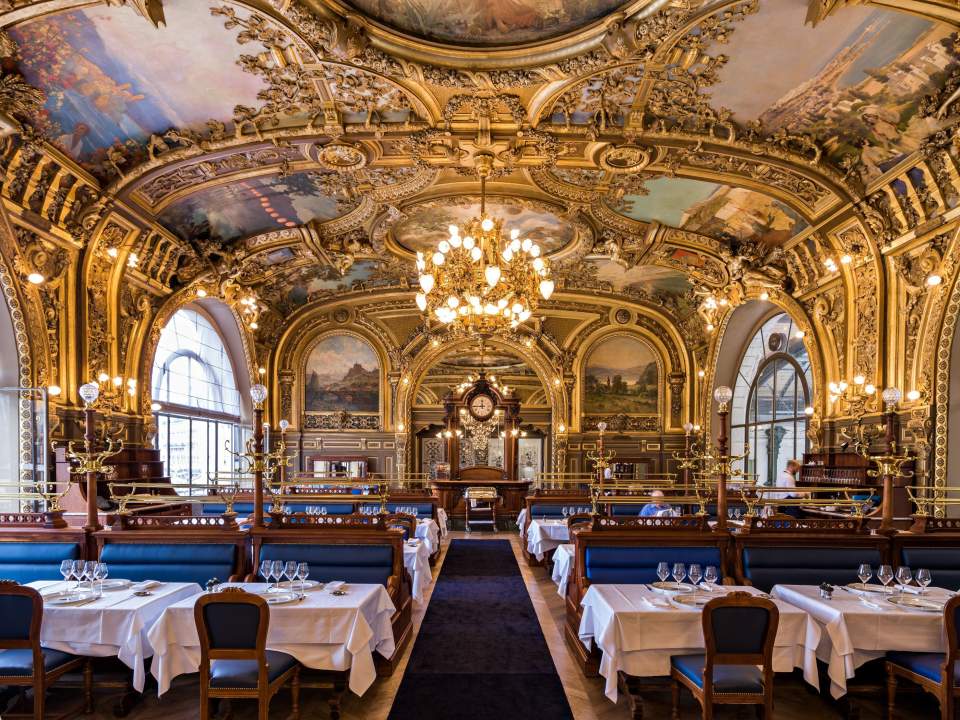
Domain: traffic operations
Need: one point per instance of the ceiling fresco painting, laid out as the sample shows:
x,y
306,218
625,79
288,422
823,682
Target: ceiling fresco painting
x,y
715,210
486,22
234,210
100,91
428,224
648,279
854,82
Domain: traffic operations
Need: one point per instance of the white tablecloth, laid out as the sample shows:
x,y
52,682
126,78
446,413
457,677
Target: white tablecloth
x,y
562,562
546,535
417,561
521,518
116,625
322,631
429,531
639,639
854,633
442,521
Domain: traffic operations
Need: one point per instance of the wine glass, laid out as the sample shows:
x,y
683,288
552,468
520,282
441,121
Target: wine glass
x,y
265,571
694,573
66,569
100,573
290,570
710,575
323,509
663,571
904,576
302,573
413,511
88,569
864,572
77,573
565,511
923,579
276,570
885,575
679,573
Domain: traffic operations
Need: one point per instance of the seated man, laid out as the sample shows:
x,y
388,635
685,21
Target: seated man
x,y
656,508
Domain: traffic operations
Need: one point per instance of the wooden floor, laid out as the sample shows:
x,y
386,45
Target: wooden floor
x,y
795,700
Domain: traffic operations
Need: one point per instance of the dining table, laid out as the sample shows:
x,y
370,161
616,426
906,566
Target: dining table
x,y
562,562
544,535
428,530
114,624
637,629
322,630
859,626
416,559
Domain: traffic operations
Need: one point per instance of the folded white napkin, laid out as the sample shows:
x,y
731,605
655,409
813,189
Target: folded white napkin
x,y
145,585
912,589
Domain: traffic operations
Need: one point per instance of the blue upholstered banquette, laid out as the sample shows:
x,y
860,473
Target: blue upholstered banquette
x,y
638,564
170,562
423,509
351,563
28,561
942,562
247,508
767,566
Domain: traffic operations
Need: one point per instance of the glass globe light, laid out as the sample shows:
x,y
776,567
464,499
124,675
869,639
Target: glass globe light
x,y
89,393
469,243
486,224
723,394
891,396
258,393
284,424
688,427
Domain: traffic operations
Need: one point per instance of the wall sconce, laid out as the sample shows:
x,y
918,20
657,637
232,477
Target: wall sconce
x,y
54,390
701,374
561,429
156,407
891,396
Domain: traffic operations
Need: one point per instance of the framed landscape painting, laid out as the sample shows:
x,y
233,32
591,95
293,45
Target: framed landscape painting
x,y
621,376
342,374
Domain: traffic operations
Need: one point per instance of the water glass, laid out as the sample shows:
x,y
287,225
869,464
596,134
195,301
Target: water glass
x,y
885,575
265,571
77,573
303,572
323,509
66,569
663,571
290,571
694,573
276,570
679,573
100,573
923,579
710,575
904,576
89,567
864,572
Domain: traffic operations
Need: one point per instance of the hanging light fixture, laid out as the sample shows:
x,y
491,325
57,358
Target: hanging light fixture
x,y
479,279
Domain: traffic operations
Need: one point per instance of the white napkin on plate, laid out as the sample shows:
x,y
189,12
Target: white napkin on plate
x,y
912,589
145,585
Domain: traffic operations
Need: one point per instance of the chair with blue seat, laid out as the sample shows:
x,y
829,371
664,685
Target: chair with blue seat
x,y
22,661
936,673
234,662
738,632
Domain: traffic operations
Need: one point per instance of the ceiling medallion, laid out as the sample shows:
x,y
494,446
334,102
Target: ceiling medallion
x,y
341,156
478,280
624,158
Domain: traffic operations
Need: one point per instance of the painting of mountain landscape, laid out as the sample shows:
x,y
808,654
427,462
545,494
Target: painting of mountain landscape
x,y
342,373
621,376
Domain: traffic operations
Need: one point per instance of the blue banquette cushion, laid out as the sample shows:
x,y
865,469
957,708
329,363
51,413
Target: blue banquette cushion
x,y
351,563
247,508
783,565
942,562
423,509
170,562
551,511
29,561
636,565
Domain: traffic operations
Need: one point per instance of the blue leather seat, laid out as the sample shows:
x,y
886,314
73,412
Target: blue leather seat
x,y
726,678
942,562
19,662
29,561
792,565
220,508
170,562
924,664
638,565
351,563
244,673
550,511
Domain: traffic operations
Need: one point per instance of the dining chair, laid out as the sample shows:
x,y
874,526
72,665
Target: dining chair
x,y
23,662
404,522
234,662
738,631
936,673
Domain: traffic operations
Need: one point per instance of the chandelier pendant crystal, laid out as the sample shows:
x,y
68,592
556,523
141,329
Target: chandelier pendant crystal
x,y
480,280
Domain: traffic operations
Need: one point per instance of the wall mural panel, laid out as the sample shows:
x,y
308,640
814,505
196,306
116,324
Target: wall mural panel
x,y
100,92
342,374
648,279
854,81
248,207
621,375
714,209
487,22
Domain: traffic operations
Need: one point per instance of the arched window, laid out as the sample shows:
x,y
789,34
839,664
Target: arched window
x,y
772,391
194,383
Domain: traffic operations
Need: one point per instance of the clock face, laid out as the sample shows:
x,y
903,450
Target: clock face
x,y
481,407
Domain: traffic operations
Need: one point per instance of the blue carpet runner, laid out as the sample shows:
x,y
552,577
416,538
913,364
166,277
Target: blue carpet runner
x,y
480,654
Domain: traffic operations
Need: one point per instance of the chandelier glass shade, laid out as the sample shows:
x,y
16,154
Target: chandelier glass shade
x,y
481,280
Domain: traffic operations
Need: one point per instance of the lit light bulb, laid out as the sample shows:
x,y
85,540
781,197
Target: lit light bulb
x,y
859,379
514,233
492,274
468,243
534,250
201,292
846,259
112,252
453,301
507,254
437,258
117,381
701,373
103,377
426,283
486,224
502,303
156,407
35,278
933,280
808,410
515,245
913,395
538,264
526,244
456,241
453,230
799,334
764,296
476,253
443,246
546,288
421,301
869,389
54,390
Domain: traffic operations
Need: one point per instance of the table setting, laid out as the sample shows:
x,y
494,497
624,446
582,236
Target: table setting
x,y
429,532
416,559
327,626
862,621
638,628
107,618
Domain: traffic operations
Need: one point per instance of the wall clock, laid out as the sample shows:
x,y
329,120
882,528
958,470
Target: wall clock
x,y
481,407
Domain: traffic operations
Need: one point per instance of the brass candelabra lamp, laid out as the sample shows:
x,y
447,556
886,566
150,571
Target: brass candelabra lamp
x,y
601,459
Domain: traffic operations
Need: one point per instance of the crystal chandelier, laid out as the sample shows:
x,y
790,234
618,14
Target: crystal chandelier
x,y
479,280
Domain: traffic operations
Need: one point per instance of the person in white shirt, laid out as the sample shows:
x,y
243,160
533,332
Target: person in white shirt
x,y
787,479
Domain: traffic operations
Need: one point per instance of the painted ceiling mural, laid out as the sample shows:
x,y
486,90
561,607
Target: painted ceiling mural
x,y
101,92
486,22
854,81
714,209
428,223
647,279
234,210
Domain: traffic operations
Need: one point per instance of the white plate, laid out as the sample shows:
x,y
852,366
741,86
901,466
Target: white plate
x,y
915,602
114,584
671,587
297,585
280,598
69,597
691,600
870,588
